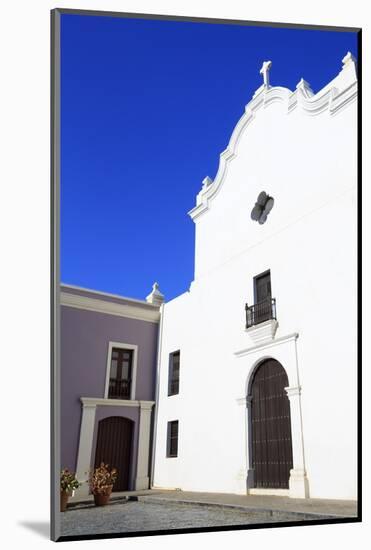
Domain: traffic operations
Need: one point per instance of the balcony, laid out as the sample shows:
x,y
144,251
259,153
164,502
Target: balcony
x,y
260,312
261,320
119,389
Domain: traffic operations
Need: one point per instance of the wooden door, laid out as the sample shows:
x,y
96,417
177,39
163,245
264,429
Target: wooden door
x,y
114,443
271,427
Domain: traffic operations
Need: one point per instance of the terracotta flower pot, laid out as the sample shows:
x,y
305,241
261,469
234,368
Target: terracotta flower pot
x,y
64,500
102,499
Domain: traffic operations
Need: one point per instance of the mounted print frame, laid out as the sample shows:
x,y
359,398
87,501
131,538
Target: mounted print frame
x,y
200,363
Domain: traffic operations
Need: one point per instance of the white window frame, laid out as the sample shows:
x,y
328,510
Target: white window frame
x,y
122,345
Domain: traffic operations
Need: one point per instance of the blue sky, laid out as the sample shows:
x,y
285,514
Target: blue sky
x,y
147,106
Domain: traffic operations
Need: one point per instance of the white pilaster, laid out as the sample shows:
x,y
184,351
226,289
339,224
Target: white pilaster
x,y
298,482
85,446
142,479
250,483
244,403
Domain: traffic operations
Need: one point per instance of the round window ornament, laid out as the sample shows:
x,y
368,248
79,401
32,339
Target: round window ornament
x,y
263,206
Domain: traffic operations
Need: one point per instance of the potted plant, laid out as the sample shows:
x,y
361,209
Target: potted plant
x,y
68,484
101,481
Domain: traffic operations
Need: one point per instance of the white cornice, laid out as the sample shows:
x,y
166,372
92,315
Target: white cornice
x,y
266,345
102,295
130,310
95,401
335,96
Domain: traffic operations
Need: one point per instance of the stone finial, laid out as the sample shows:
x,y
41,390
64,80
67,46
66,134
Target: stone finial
x,y
349,58
206,182
304,86
303,83
155,297
265,72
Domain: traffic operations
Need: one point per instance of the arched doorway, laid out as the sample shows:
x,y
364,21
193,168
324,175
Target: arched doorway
x,y
270,426
114,442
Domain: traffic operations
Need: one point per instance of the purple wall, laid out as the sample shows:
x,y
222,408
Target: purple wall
x,y
84,346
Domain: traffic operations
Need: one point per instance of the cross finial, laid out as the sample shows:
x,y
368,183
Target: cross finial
x,y
265,72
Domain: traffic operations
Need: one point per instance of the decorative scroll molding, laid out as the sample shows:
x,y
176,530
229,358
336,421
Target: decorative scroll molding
x,y
341,99
335,96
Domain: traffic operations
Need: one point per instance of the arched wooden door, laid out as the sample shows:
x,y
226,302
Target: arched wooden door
x,y
114,442
271,426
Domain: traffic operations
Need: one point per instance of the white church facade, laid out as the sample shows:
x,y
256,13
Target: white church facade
x,y
257,362
247,382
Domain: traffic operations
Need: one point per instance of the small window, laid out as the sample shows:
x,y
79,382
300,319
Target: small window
x,y
120,377
172,439
174,366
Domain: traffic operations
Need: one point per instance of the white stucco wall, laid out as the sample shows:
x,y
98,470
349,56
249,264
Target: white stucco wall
x,y
305,159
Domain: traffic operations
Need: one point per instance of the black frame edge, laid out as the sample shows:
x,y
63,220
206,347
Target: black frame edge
x,y
55,279
54,262
197,19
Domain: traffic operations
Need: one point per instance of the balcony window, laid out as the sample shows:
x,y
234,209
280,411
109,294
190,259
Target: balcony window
x,y
120,374
264,308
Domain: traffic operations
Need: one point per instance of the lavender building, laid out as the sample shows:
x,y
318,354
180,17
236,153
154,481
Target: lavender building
x,y
108,379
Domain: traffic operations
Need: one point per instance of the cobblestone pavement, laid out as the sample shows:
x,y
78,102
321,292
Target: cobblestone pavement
x,y
129,516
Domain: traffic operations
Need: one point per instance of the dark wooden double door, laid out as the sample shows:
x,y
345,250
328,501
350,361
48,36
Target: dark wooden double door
x,y
271,427
114,446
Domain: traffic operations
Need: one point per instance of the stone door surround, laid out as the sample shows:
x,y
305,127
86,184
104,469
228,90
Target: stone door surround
x,y
89,406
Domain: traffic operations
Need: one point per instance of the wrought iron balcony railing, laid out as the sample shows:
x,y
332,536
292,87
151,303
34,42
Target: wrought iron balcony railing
x,y
260,312
119,389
